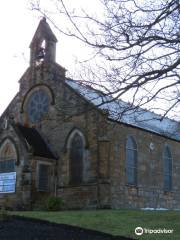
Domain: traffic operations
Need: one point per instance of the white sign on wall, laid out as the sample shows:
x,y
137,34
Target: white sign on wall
x,y
8,182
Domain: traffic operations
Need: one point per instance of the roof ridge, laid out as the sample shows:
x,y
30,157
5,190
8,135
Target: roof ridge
x,y
130,114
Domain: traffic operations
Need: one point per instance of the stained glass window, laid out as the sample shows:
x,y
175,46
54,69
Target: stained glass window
x,y
37,106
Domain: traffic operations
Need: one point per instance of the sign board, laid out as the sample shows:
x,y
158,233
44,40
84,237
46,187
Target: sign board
x,y
8,182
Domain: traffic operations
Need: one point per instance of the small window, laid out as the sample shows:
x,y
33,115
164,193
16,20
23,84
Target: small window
x,y
131,161
43,178
167,169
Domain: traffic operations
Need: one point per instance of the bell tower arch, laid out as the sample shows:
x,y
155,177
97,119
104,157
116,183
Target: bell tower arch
x,y
43,44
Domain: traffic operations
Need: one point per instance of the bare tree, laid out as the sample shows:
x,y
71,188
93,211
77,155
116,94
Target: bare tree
x,y
136,48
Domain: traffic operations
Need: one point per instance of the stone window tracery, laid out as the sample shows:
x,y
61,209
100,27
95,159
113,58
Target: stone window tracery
x,y
37,105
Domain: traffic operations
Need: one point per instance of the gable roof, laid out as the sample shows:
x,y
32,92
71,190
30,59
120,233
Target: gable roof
x,y
125,113
35,140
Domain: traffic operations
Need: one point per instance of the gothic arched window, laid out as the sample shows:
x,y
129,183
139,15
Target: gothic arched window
x,y
76,159
131,161
167,168
8,157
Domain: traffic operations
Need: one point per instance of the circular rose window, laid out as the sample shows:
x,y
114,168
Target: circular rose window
x,y
37,106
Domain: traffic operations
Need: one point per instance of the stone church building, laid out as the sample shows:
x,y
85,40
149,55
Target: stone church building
x,y
57,139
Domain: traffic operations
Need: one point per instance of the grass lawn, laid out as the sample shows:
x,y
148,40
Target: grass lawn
x,y
116,222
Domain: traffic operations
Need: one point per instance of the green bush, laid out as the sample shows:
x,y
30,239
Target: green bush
x,y
50,204
54,204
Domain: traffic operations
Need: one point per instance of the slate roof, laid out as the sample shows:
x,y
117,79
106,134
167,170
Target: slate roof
x,y
137,117
34,139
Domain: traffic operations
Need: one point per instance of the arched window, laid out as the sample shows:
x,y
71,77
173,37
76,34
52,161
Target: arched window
x,y
8,157
167,168
131,161
76,151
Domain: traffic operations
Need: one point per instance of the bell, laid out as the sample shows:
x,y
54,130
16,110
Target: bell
x,y
40,54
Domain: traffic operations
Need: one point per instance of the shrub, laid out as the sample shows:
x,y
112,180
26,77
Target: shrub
x,y
54,204
50,204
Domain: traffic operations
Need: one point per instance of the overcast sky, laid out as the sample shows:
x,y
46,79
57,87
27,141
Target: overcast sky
x,y
18,24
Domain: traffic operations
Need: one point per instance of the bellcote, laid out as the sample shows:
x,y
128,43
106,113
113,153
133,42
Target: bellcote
x,y
43,44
